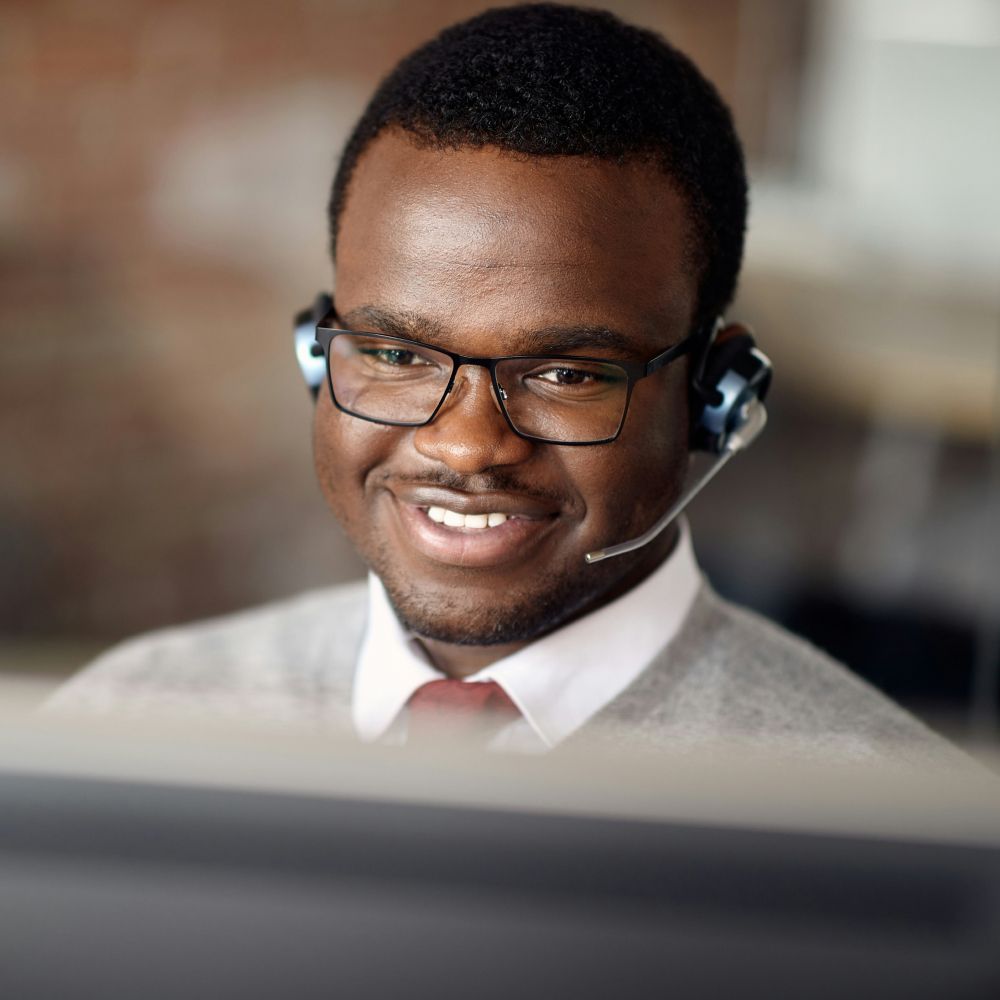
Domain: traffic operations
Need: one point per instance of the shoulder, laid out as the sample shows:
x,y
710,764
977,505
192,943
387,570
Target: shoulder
x,y
286,659
733,675
764,671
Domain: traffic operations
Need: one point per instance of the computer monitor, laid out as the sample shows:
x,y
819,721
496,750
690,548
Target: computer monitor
x,y
121,876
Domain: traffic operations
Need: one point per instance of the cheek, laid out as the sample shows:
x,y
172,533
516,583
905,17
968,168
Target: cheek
x,y
645,468
345,450
658,420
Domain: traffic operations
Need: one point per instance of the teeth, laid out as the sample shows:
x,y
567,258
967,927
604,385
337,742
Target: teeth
x,y
451,518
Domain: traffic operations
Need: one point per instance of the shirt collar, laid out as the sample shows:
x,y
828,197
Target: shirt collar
x,y
391,666
558,681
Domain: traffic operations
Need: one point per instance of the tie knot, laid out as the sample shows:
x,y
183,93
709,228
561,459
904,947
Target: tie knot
x,y
459,709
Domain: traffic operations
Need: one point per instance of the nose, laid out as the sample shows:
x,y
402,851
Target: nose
x,y
469,433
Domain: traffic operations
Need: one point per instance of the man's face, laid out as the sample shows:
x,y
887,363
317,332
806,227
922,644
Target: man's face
x,y
485,253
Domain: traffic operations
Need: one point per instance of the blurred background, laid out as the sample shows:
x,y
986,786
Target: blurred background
x,y
164,166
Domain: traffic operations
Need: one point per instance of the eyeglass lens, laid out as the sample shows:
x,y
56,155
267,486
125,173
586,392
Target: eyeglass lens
x,y
557,399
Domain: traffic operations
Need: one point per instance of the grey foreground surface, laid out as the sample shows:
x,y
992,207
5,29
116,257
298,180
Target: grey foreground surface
x,y
136,861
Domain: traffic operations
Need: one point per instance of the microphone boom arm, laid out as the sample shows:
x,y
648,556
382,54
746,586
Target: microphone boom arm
x,y
736,441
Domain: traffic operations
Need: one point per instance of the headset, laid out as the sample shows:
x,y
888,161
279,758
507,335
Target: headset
x,y
729,381
308,353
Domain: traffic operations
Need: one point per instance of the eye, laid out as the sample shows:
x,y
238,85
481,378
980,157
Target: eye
x,y
397,357
573,380
569,376
578,376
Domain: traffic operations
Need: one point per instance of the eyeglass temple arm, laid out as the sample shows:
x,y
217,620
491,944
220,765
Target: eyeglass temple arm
x,y
670,354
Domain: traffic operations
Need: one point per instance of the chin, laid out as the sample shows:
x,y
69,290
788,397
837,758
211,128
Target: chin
x,y
503,615
450,618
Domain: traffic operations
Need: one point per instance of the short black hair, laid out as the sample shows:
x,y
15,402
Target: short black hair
x,y
552,80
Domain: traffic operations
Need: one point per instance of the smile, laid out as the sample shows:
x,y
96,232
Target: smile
x,y
455,519
468,530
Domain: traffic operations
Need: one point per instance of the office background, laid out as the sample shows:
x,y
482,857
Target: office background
x,y
163,173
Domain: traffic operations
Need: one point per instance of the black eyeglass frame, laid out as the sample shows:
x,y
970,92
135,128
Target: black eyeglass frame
x,y
634,372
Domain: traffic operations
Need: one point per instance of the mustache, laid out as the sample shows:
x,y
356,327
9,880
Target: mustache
x,y
497,481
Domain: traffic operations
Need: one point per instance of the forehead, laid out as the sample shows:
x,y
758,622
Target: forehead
x,y
484,240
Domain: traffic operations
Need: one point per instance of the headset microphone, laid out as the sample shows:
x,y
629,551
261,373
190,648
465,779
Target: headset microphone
x,y
728,386
736,441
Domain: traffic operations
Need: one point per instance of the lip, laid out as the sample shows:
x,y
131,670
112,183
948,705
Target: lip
x,y
528,522
485,502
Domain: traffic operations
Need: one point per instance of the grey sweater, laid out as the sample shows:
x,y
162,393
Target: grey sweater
x,y
729,676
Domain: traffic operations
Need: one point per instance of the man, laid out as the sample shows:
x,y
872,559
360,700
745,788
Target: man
x,y
550,187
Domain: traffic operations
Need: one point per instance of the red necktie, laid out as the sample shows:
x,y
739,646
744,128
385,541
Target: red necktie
x,y
454,709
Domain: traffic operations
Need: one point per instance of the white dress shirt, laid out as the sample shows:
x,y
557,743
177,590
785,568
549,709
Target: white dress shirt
x,y
558,682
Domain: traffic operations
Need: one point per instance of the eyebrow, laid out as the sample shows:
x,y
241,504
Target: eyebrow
x,y
550,339
396,324
580,336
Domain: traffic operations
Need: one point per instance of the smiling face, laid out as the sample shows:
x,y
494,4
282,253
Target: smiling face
x,y
484,253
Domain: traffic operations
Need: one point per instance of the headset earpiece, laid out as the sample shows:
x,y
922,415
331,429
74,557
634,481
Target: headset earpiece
x,y
308,353
730,375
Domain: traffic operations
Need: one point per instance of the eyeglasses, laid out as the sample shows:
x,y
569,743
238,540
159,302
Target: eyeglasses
x,y
557,398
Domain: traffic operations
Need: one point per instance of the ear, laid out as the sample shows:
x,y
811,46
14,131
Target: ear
x,y
730,375
308,353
